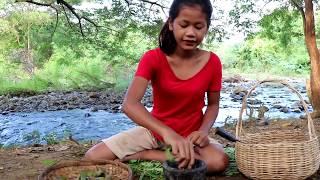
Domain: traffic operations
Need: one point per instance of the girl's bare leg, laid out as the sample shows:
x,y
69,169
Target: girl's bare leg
x,y
100,151
215,158
155,155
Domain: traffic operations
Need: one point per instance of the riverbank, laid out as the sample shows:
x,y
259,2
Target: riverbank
x,y
234,87
29,162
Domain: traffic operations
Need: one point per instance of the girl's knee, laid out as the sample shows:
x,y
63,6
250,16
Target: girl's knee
x,y
218,163
89,155
99,152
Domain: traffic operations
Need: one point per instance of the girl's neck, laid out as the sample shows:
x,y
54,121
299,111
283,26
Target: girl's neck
x,y
185,54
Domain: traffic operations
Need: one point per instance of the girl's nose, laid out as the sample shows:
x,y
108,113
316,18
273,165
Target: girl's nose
x,y
190,31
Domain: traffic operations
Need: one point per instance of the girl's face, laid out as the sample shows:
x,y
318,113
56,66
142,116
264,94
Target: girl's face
x,y
189,27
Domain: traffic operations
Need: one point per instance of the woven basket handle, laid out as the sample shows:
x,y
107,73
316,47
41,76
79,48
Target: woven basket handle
x,y
244,105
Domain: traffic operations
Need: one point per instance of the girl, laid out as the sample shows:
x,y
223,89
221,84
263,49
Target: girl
x,y
180,74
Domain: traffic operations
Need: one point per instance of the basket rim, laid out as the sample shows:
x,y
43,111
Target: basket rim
x,y
276,144
63,164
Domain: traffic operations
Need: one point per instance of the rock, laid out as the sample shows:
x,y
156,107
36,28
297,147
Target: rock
x,y
284,109
242,94
87,115
262,122
254,101
277,106
296,110
234,79
63,148
94,95
240,89
36,156
36,149
115,108
94,109
5,113
236,97
303,117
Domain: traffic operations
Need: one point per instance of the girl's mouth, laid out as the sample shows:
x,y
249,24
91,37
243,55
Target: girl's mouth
x,y
189,43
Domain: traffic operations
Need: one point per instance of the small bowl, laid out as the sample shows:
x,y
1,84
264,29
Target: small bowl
x,y
172,172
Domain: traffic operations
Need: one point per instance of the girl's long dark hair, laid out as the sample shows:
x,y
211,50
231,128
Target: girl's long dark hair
x,y
167,42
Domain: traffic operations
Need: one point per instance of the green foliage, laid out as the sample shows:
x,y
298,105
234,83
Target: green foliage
x,y
241,15
146,170
51,138
282,25
264,55
169,155
10,146
278,47
103,59
33,137
48,162
232,169
66,133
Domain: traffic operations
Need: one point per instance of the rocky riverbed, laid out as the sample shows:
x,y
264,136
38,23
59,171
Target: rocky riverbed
x,y
234,89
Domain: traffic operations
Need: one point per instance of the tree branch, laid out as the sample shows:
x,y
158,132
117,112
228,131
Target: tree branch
x,y
300,9
152,3
36,3
67,17
63,4
57,20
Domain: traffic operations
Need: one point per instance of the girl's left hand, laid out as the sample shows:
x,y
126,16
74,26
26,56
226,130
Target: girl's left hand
x,y
199,138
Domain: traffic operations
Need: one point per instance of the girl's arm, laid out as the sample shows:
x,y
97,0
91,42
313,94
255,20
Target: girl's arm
x,y
211,112
200,137
135,110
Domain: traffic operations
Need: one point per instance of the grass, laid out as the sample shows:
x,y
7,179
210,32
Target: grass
x,y
152,170
232,169
48,162
146,170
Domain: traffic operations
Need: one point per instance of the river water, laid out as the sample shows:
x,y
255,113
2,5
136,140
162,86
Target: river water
x,y
40,127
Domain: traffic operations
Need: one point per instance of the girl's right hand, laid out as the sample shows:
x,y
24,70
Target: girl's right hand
x,y
182,149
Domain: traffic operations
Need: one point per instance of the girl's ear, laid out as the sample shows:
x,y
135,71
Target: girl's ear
x,y
170,23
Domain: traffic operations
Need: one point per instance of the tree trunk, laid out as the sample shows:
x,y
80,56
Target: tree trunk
x,y
310,38
29,65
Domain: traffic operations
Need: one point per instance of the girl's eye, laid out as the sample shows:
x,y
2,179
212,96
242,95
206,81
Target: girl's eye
x,y
199,26
183,25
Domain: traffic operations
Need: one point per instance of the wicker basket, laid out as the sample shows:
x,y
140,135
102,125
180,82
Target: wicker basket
x,y
73,169
281,154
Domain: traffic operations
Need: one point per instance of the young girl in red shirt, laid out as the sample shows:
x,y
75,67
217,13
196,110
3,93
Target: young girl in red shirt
x,y
180,74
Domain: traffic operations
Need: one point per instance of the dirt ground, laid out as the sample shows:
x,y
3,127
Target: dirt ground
x,y
28,162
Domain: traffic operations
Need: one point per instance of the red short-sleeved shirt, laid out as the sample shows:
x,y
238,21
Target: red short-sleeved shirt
x,y
178,103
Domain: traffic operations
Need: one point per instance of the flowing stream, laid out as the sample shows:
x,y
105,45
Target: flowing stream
x,y
22,128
